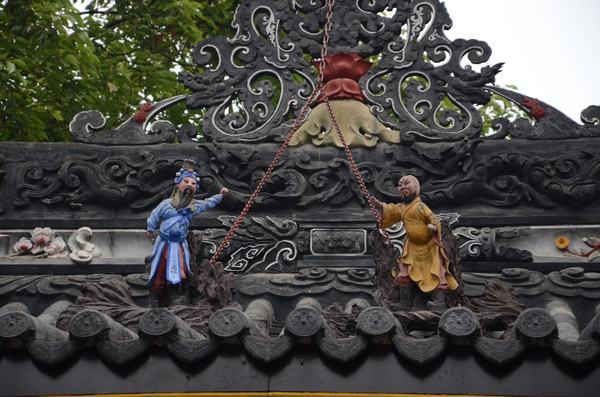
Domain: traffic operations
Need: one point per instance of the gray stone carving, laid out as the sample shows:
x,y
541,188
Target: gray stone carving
x,y
156,322
483,243
305,320
419,350
376,321
499,351
459,322
227,323
536,323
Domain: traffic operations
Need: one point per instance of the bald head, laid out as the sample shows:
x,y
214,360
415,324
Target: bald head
x,y
408,187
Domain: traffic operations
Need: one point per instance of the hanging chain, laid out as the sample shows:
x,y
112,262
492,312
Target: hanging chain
x,y
326,31
265,177
361,182
318,89
337,126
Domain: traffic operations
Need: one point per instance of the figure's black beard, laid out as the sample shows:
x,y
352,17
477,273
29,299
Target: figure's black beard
x,y
186,198
408,199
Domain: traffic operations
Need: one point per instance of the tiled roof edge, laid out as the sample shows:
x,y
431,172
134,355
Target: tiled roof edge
x,y
117,344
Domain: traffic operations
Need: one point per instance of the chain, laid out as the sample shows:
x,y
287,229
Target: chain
x,y
266,176
361,182
326,31
318,89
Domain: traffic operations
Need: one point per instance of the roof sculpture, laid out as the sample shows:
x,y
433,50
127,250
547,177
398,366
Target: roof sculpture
x,y
303,262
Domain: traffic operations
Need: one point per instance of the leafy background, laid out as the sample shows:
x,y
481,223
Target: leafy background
x,y
58,58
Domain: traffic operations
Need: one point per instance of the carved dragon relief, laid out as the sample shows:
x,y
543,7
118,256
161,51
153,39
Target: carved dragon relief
x,y
76,180
451,173
254,83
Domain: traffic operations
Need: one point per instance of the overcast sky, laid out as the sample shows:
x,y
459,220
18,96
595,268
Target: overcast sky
x,y
550,48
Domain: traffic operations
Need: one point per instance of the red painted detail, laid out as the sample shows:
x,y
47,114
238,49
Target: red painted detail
x,y
535,110
142,115
341,74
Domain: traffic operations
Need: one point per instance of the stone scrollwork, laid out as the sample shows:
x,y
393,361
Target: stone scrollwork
x,y
261,244
571,281
261,71
314,281
483,243
262,75
85,127
461,173
525,282
45,285
548,181
574,281
591,116
253,84
309,177
76,180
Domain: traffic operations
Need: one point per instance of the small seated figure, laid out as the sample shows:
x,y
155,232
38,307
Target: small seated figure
x,y
423,261
170,259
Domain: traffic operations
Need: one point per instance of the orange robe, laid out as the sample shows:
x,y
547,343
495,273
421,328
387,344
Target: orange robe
x,y
423,258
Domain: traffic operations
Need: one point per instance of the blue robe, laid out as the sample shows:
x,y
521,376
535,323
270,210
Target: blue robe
x,y
172,234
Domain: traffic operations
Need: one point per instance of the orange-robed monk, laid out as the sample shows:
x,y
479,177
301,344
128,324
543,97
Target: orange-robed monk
x,y
423,259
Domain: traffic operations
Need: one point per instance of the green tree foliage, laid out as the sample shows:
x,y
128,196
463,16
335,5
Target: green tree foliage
x,y
500,107
58,58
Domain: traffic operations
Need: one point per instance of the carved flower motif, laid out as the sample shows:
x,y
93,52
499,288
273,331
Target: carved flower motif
x,y
42,241
562,242
23,245
56,248
42,236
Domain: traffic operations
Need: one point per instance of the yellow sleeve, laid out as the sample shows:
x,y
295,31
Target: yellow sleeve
x,y
426,212
391,214
432,218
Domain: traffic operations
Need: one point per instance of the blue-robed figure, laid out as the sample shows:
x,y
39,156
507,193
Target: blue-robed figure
x,y
170,259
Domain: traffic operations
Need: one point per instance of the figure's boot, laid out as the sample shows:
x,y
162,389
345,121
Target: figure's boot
x,y
157,299
175,294
438,300
406,294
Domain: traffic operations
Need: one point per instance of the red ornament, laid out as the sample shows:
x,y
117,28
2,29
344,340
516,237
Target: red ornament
x,y
535,110
341,74
142,115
